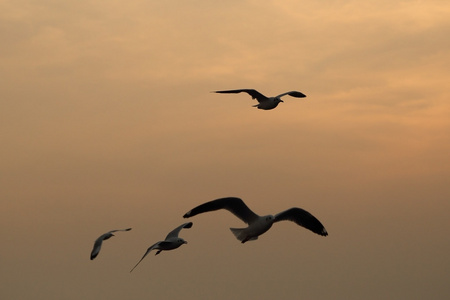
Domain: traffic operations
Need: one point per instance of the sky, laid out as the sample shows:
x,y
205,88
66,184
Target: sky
x,y
107,121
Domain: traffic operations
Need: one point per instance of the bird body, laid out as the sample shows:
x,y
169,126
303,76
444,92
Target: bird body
x,y
255,229
265,103
98,242
258,225
172,241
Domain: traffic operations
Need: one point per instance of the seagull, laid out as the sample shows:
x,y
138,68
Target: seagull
x,y
99,241
257,225
171,242
265,103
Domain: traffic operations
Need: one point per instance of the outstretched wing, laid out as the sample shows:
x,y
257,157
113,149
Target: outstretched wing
x,y
147,252
99,241
302,218
254,93
293,94
97,246
128,229
176,231
234,205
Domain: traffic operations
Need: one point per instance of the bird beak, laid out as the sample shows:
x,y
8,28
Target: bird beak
x,y
185,242
281,100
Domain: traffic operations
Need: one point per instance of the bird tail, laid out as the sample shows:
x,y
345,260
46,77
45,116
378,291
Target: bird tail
x,y
238,233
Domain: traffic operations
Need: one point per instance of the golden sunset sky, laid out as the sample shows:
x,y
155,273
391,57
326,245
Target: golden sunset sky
x,y
107,121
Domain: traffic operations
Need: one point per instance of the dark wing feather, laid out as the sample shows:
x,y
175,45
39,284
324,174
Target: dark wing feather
x,y
98,244
176,231
293,94
254,93
128,229
302,218
234,205
97,247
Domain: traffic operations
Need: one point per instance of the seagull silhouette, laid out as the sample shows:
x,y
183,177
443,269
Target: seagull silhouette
x,y
171,242
265,103
257,225
99,241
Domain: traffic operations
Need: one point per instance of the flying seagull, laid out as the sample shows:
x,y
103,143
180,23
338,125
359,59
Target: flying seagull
x,y
265,103
99,241
171,242
257,225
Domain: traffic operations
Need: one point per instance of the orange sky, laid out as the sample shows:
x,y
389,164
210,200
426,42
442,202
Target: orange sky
x,y
107,121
